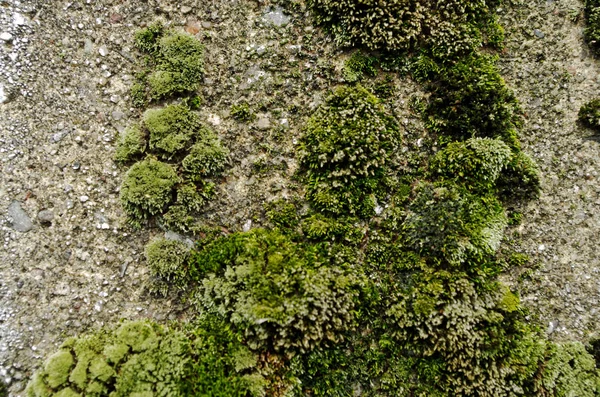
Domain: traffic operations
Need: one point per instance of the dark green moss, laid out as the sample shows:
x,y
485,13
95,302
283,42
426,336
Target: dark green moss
x,y
589,114
521,180
359,66
476,163
470,99
346,150
283,215
242,112
449,29
592,30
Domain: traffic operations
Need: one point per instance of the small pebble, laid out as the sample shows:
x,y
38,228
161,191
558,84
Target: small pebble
x,y
84,198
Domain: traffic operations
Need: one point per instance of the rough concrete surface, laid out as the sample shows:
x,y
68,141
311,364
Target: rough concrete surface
x,y
68,261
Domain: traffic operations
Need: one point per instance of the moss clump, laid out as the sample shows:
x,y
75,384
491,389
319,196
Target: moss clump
x,y
358,66
147,189
471,99
476,163
58,366
346,150
131,144
571,371
145,359
207,157
177,59
466,340
242,112
167,260
146,40
172,129
448,224
280,294
3,389
592,30
589,114
449,28
180,66
521,179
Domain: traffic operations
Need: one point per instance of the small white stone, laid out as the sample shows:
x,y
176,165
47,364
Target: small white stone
x,y
3,96
214,119
103,51
18,19
84,198
247,225
5,36
542,247
105,226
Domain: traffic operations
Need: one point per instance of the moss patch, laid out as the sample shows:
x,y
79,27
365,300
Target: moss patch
x,y
345,152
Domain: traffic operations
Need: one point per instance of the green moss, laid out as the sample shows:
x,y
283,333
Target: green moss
x,y
139,97
358,66
206,158
168,263
147,189
193,198
131,144
160,362
242,112
58,366
592,30
476,163
345,152
447,223
449,29
172,129
278,293
571,371
3,389
283,215
589,114
470,99
146,40
521,179
179,64
179,219
68,392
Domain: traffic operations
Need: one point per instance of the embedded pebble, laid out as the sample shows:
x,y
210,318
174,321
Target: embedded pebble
x,y
20,220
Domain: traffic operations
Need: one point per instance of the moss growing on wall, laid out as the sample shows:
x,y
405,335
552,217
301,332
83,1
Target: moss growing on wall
x,y
168,263
592,30
172,129
131,144
147,189
280,294
144,359
346,150
448,224
448,29
589,113
476,163
206,158
471,99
